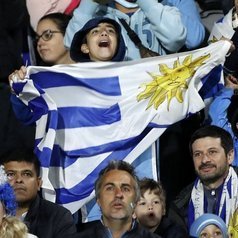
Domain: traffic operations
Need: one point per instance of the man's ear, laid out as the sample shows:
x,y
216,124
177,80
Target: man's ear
x,y
230,156
84,48
39,183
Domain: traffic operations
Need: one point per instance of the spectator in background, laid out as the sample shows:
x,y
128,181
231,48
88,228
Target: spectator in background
x,y
150,211
100,39
212,150
191,19
84,48
117,192
223,110
166,35
50,47
12,227
49,39
208,225
43,218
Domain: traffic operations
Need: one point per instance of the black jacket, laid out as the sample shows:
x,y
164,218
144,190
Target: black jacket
x,y
170,229
96,229
49,220
178,209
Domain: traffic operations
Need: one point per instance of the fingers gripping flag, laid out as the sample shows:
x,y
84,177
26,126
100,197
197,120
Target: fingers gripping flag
x,y
89,113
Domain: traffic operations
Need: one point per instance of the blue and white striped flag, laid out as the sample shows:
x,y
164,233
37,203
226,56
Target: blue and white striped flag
x,y
222,28
89,113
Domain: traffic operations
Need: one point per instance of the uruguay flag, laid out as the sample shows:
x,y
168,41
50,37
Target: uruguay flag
x,y
89,113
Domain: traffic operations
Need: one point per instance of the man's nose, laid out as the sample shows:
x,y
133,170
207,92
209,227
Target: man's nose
x,y
18,178
118,192
205,158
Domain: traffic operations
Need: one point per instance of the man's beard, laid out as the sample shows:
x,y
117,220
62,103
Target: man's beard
x,y
212,178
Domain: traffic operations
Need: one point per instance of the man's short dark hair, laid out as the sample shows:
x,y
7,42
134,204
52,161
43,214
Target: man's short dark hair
x,y
22,155
215,132
117,165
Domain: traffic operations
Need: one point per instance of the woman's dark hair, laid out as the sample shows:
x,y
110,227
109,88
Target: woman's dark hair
x,y
60,19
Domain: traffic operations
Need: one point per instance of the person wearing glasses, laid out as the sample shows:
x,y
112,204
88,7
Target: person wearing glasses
x,y
51,50
49,39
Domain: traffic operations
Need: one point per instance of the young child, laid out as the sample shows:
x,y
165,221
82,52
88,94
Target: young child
x,y
100,39
208,225
150,211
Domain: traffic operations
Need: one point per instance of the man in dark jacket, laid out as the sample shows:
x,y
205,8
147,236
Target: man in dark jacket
x,y
43,218
117,192
216,185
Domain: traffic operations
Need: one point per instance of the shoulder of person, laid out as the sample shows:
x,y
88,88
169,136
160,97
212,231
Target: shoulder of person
x,y
170,229
236,169
49,206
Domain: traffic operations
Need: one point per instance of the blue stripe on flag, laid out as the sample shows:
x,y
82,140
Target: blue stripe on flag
x,y
60,158
74,117
85,187
211,83
18,87
110,86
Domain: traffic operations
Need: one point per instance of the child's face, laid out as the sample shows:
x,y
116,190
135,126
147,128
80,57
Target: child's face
x,y
211,231
101,42
149,210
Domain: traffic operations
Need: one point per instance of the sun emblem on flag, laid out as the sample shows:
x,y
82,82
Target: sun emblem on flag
x,y
171,82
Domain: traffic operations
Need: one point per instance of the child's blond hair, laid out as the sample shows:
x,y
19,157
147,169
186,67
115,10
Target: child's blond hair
x,y
12,227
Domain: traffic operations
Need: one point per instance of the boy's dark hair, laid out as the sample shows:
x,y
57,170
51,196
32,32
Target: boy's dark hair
x,y
117,165
215,132
22,155
60,19
153,186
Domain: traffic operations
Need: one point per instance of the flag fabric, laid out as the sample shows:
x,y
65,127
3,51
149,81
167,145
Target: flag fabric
x,y
222,28
87,114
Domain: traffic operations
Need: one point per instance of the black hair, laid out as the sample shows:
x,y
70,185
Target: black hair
x,y
20,155
60,19
215,132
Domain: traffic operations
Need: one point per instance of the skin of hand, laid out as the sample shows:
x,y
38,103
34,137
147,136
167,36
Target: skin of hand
x,y
231,82
20,74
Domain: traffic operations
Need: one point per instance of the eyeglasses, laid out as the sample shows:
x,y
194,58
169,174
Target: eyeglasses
x,y
46,35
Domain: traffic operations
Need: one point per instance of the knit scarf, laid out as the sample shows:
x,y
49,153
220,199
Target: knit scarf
x,y
227,199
